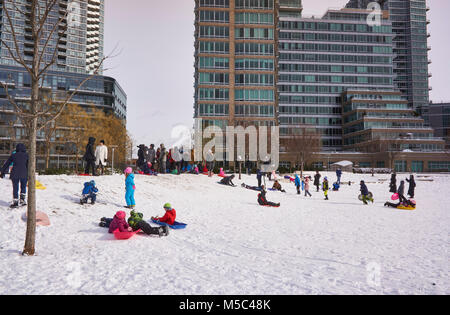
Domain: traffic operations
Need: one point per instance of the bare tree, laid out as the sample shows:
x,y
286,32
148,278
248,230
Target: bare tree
x,y
303,145
45,32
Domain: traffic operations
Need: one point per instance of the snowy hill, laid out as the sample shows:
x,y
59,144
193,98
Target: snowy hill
x,y
231,245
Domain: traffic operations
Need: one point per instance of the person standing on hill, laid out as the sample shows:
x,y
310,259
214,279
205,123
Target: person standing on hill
x,y
317,180
19,174
151,154
101,155
339,175
412,186
393,184
162,159
89,157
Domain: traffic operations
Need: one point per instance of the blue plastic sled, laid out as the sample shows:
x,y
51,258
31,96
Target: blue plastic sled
x,y
175,226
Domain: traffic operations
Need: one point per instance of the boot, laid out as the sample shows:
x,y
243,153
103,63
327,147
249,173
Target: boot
x,y
161,231
23,201
15,204
166,230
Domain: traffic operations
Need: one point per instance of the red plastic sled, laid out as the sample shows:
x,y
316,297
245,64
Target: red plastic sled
x,y
124,235
84,175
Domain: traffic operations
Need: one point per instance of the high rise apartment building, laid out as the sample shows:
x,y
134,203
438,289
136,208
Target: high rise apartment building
x,y
78,38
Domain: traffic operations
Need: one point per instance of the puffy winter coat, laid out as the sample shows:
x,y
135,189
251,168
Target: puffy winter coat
x,y
393,184
364,189
20,163
307,183
129,182
141,155
297,181
89,188
101,154
169,217
135,218
151,155
90,153
119,223
338,173
325,185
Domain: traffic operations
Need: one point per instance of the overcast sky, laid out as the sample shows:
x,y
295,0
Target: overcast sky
x,y
155,66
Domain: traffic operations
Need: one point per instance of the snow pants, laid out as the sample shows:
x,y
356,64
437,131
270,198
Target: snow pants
x,y
91,196
23,186
147,228
129,197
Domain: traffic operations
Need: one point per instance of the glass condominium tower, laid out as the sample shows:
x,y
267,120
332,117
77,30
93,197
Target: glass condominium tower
x,y
409,25
80,45
322,58
235,62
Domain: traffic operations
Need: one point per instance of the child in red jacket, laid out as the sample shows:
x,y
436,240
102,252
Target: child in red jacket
x,y
169,217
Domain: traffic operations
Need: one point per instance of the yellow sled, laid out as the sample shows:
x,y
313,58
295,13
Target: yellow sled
x,y
406,208
39,186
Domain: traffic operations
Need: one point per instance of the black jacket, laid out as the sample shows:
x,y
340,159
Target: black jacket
x,y
20,163
141,155
227,181
393,184
317,179
90,152
412,186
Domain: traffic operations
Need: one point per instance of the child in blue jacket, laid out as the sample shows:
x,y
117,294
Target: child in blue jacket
x,y
130,187
89,192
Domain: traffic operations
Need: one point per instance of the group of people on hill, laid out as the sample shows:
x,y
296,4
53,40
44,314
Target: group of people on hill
x,y
95,159
400,192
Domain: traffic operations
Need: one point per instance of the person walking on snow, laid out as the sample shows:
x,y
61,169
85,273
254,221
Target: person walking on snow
x,y
259,177
19,174
89,157
325,187
101,155
130,188
307,193
401,191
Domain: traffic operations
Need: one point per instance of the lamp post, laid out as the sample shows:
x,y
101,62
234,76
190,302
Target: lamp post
x,y
113,148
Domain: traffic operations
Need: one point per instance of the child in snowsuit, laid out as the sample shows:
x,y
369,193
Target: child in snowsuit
x,y
263,201
89,192
325,187
19,174
408,203
169,217
130,187
119,223
228,181
365,193
307,193
298,184
412,186
336,187
277,186
136,221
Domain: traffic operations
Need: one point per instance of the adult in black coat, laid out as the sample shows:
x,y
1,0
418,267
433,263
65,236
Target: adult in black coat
x,y
142,153
317,180
393,184
89,156
19,173
412,186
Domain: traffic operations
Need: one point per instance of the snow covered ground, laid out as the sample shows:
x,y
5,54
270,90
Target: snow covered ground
x,y
232,245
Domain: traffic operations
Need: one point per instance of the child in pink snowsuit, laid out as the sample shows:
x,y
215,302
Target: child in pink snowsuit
x,y
120,223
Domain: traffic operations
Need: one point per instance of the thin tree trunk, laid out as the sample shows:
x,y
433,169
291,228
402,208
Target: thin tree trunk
x,y
29,248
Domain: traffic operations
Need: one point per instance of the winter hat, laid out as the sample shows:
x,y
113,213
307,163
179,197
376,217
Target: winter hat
x,y
167,206
326,178
121,215
128,170
92,182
